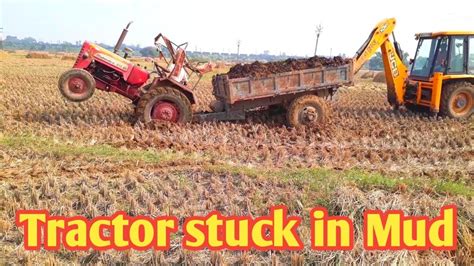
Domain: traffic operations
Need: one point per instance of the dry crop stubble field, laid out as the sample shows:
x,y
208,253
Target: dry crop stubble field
x,y
89,159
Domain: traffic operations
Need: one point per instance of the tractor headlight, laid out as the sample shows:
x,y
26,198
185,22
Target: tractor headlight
x,y
85,56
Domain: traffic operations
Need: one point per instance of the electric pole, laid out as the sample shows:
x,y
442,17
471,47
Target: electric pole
x,y
238,49
1,38
319,29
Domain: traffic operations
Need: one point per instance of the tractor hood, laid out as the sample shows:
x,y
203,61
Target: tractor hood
x,y
91,51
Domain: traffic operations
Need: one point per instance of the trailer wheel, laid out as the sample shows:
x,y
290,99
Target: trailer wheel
x,y
457,100
76,85
163,104
307,110
217,106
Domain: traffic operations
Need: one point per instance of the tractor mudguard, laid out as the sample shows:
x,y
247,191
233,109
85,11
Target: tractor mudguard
x,y
182,88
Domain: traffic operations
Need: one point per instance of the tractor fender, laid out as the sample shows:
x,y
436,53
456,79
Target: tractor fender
x,y
179,86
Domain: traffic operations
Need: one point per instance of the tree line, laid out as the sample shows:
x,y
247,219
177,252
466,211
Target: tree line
x,y
31,44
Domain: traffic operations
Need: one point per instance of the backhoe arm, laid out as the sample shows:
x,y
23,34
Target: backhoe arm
x,y
395,70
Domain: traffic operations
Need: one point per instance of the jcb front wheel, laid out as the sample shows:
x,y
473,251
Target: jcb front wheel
x,y
457,100
76,85
307,110
163,104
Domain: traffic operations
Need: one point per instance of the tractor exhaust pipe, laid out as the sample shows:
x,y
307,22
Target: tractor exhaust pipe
x,y
122,37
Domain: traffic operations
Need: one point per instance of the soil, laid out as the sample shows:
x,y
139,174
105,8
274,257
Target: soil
x,y
258,69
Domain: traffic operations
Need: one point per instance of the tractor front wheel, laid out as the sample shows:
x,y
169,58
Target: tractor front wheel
x,y
457,100
76,85
163,104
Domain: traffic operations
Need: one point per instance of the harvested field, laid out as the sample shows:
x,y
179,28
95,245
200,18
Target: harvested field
x,y
380,77
68,57
364,132
366,74
183,193
38,55
88,159
258,69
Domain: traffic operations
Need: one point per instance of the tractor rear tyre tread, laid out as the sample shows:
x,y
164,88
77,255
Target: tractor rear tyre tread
x,y
153,95
451,90
297,105
85,76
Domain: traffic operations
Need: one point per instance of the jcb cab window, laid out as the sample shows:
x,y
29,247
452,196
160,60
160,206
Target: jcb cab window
x,y
471,55
424,58
456,57
441,58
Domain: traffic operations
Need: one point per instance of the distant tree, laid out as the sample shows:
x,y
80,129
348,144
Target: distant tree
x,y
406,59
11,39
29,43
376,62
149,51
29,40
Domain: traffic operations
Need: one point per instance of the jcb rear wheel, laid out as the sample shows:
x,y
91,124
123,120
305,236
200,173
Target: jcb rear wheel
x,y
307,110
163,104
76,85
457,100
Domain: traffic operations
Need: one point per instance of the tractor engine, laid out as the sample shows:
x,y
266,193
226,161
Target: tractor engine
x,y
109,71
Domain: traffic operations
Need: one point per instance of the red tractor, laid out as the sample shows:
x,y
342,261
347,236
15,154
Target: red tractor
x,y
167,97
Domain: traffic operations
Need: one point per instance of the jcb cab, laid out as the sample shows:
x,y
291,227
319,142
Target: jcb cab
x,y
441,78
442,73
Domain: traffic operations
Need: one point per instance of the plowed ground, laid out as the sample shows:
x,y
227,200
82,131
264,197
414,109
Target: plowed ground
x,y
364,132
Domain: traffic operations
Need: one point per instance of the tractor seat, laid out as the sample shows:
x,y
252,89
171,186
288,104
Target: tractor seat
x,y
177,72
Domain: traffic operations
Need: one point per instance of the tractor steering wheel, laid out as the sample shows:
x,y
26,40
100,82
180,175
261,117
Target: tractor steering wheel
x,y
128,50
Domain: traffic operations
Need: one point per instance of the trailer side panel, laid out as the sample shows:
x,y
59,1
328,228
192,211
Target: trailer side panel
x,y
231,91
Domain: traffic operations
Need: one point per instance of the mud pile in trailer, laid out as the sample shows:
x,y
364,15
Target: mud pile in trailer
x,y
258,69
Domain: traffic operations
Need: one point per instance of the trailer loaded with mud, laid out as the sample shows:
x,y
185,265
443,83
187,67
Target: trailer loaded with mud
x,y
297,85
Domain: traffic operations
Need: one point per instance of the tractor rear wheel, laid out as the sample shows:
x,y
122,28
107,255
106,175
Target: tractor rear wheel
x,y
457,100
307,110
163,104
76,85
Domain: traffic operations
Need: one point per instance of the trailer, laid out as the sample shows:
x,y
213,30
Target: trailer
x,y
300,92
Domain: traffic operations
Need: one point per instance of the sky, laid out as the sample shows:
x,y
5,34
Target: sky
x,y
274,25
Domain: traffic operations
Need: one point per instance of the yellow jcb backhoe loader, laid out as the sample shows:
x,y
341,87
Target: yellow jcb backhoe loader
x,y
441,78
